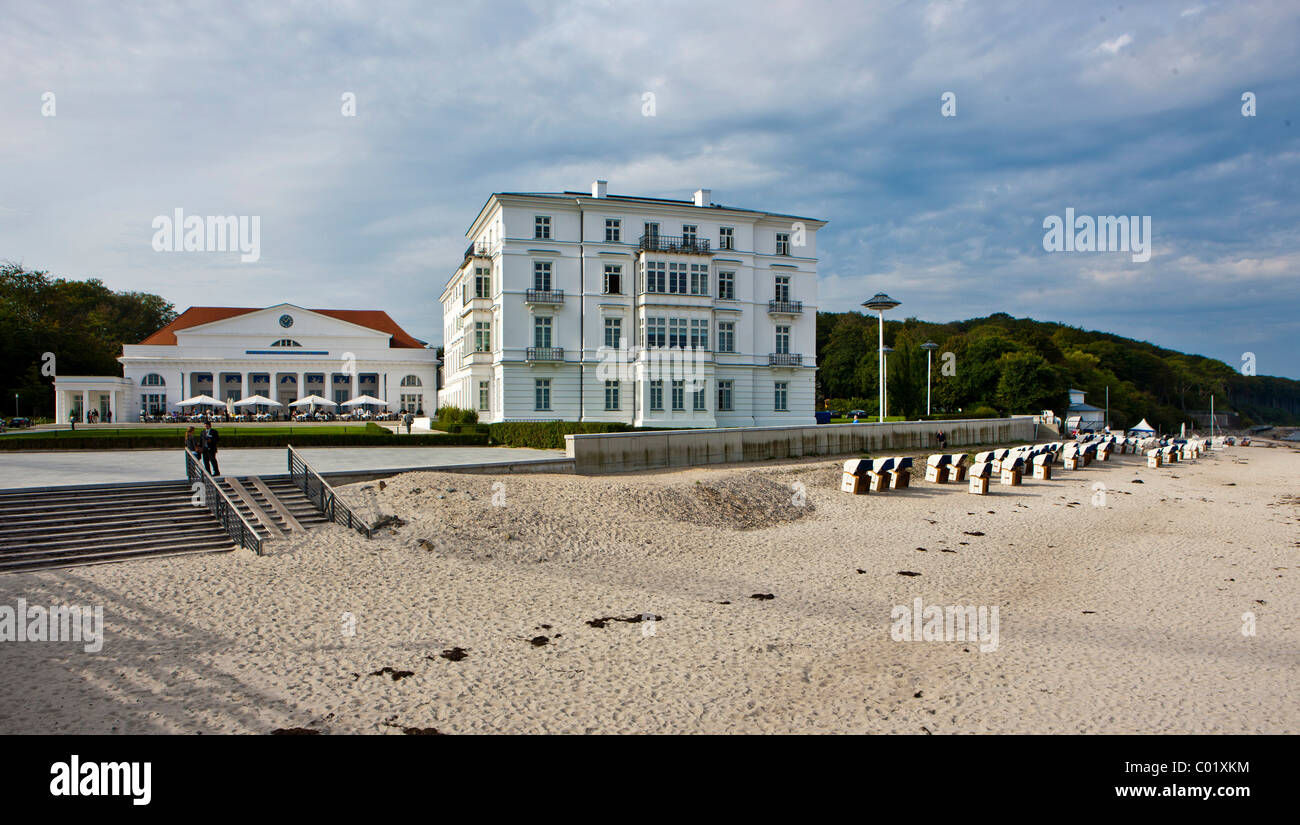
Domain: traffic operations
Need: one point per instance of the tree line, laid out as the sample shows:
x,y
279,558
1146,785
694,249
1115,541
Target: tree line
x,y
1001,365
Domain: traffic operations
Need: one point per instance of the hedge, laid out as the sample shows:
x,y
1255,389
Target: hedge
x,y
547,435
163,442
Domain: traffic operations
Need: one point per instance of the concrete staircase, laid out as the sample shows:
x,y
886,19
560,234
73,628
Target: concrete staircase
x,y
62,526
274,506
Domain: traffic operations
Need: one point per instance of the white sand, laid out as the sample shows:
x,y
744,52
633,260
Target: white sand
x,y
236,643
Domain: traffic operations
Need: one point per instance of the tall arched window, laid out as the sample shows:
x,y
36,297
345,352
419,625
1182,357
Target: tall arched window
x,y
411,381
153,379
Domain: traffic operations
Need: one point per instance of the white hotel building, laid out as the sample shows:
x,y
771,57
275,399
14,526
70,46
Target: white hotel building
x,y
553,283
283,352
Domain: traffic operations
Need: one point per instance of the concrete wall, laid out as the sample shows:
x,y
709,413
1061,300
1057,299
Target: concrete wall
x,y
623,452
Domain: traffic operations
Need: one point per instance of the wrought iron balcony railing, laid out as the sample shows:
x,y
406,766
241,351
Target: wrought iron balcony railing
x,y
675,244
785,307
545,354
785,359
476,249
544,296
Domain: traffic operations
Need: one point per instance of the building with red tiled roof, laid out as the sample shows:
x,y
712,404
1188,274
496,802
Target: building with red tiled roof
x,y
283,353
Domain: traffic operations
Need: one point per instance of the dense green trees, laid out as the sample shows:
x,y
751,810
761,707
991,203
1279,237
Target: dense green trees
x,y
1023,366
83,323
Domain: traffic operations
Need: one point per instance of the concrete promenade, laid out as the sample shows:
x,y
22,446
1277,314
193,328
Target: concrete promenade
x,y
56,469
626,452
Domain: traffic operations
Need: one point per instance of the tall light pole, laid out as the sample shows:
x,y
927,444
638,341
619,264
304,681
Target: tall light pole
x,y
886,352
929,347
879,303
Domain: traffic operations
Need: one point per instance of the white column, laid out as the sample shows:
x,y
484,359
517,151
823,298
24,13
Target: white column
x,y
112,404
85,405
302,384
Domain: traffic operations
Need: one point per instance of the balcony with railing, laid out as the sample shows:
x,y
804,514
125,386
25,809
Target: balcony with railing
x,y
785,359
478,249
544,296
544,354
675,244
785,307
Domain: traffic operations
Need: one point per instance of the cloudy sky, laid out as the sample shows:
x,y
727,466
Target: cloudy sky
x,y
827,109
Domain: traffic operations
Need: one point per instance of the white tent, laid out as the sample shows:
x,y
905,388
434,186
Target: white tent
x,y
365,399
254,400
200,401
312,401
1142,427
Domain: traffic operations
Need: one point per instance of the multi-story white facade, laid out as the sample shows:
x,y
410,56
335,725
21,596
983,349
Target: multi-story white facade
x,y
283,352
645,311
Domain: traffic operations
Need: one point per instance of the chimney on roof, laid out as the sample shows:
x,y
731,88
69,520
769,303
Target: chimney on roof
x,y
703,197
598,189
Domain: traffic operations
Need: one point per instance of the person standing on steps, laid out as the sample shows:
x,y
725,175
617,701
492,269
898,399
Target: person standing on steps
x,y
209,444
193,444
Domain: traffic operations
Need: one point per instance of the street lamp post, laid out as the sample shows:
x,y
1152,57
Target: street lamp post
x,y
879,303
886,352
929,347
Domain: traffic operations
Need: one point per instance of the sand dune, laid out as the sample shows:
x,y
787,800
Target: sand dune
x,y
515,604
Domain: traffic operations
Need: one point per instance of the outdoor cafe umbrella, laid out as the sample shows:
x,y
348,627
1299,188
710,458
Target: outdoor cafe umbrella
x,y
200,401
312,401
257,401
365,399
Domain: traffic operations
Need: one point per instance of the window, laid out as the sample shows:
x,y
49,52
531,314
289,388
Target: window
x,y
657,394
542,332
679,394
542,394
542,227
407,381
153,379
782,340
727,286
651,230
286,342
783,243
782,391
782,288
699,279
154,404
699,333
613,279
611,395
483,395
677,332
724,396
726,336
688,234
655,276
613,230
698,401
677,278
542,275
655,332
726,238
482,336
482,282
412,402
613,332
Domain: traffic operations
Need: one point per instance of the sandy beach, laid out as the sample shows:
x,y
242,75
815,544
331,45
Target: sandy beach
x,y
519,604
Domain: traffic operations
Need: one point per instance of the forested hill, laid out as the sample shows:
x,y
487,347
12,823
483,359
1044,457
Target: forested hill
x,y
1019,365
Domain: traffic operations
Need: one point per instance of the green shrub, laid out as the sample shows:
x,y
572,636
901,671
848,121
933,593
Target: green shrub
x,y
547,435
448,416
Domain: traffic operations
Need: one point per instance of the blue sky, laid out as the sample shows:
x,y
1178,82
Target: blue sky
x,y
823,109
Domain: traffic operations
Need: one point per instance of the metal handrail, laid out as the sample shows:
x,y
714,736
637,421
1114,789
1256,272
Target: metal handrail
x,y
785,359
544,354
323,496
221,506
675,243
785,307
544,296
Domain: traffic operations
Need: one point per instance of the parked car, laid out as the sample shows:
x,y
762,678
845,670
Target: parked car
x,y
15,423
857,413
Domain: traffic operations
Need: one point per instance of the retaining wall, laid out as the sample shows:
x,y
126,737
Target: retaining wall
x,y
624,452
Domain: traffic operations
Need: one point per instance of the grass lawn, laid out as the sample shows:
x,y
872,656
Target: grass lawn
x,y
228,431
866,418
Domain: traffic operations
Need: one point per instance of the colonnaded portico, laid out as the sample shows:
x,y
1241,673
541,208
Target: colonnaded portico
x,y
283,352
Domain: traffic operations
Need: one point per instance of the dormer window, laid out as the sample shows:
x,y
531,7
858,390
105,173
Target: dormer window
x,y
286,342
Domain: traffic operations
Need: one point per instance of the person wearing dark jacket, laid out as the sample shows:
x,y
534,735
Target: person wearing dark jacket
x,y
209,444
193,444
